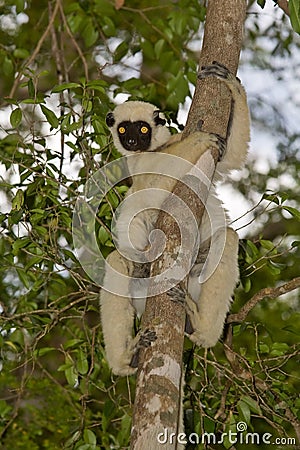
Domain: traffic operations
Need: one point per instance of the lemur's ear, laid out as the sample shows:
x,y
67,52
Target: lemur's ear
x,y
110,119
158,120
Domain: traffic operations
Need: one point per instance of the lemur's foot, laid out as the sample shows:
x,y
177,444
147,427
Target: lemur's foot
x,y
215,69
222,143
145,340
178,295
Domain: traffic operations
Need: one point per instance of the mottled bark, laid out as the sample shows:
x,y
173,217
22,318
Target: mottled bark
x,y
158,403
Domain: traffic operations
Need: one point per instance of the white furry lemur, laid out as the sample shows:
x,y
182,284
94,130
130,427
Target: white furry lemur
x,y
139,127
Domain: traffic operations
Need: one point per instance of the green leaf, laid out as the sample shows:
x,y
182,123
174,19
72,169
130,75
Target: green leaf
x,y
7,66
264,348
294,8
98,85
120,51
244,412
21,53
20,5
73,439
41,230
98,126
23,277
16,117
72,343
87,447
12,346
18,337
4,409
293,211
38,99
89,33
109,27
34,261
65,86
266,244
66,125
71,376
112,199
43,351
251,249
284,196
279,349
125,428
231,426
253,405
75,21
292,329
20,243
73,146
148,50
247,285
261,3
37,216
18,200
82,362
50,116
159,47
271,198
70,371
178,23
70,255
275,268
103,236
89,437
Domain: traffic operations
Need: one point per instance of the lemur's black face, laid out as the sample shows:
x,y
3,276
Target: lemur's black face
x,y
135,136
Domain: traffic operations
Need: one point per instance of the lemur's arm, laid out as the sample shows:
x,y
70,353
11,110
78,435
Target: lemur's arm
x,y
238,132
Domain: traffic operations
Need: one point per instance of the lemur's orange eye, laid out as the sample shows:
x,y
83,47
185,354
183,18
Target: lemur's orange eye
x,y
122,130
144,130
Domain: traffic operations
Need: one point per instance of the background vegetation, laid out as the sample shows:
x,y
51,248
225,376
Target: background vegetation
x,y
62,66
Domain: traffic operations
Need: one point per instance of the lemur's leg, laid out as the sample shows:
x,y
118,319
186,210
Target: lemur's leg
x,y
117,317
207,312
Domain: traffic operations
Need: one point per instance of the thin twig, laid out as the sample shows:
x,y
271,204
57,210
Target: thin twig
x,y
35,52
260,295
56,51
85,66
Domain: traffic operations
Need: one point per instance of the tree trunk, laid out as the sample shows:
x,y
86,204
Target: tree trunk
x,y
157,417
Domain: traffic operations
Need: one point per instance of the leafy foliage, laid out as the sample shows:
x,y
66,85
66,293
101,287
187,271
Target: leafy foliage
x,y
62,64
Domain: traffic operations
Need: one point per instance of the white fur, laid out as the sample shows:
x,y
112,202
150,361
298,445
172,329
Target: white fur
x,y
207,303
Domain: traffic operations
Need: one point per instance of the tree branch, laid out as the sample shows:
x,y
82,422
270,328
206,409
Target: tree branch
x,y
36,50
260,295
158,403
73,40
